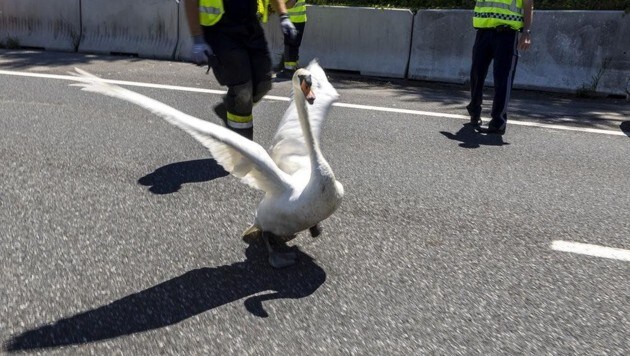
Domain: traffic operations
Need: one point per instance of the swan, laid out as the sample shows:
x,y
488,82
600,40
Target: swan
x,y
299,185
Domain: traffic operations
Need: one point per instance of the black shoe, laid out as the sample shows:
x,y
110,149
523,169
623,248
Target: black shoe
x,y
285,74
496,130
475,117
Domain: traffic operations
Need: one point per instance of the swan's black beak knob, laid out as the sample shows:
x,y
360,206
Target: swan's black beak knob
x,y
306,84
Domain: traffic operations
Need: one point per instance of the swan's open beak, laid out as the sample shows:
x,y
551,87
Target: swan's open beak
x,y
306,84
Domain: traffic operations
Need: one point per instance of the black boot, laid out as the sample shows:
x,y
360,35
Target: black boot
x,y
221,112
247,133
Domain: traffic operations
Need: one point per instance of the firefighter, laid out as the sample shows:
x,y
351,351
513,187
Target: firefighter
x,y
228,36
503,27
296,9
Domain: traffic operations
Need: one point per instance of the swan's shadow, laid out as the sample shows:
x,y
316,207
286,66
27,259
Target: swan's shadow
x,y
170,178
470,138
180,298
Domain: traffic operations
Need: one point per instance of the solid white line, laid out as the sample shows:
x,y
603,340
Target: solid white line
x,y
344,105
591,250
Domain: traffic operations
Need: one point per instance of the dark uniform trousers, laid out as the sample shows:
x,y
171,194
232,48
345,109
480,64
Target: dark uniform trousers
x,y
292,46
498,45
244,63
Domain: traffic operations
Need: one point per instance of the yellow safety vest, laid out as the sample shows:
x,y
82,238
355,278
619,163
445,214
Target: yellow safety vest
x,y
493,13
211,11
297,13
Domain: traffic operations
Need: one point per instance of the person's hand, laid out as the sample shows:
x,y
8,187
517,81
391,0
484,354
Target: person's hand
x,y
288,29
525,41
201,52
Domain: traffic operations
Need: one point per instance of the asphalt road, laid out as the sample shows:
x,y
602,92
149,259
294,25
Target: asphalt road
x,y
121,235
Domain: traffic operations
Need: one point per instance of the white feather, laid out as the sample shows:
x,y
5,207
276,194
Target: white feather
x,y
241,157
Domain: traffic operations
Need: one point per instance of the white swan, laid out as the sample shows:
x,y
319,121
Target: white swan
x,y
300,187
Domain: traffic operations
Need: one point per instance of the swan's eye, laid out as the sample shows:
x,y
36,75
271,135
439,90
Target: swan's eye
x,y
305,78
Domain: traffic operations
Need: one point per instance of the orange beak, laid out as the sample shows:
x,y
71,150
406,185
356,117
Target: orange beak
x,y
306,86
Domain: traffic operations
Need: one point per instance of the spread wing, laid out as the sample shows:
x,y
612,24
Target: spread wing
x,y
288,149
241,157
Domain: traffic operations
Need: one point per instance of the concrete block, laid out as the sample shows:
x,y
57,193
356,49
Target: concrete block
x,y
570,50
441,46
147,28
184,44
575,49
371,41
52,25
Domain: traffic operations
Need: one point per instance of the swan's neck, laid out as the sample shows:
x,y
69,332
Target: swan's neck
x,y
311,144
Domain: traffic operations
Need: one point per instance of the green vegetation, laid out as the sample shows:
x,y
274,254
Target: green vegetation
x,y
469,4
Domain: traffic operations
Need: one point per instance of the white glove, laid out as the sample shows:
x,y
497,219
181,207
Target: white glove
x,y
200,50
288,29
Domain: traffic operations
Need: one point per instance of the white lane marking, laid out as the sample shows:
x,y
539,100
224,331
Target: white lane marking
x,y
591,250
344,105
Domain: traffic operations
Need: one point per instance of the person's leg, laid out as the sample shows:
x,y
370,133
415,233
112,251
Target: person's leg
x,y
292,47
260,61
505,60
481,58
233,71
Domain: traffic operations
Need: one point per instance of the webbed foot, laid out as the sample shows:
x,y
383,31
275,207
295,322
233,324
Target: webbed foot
x,y
278,259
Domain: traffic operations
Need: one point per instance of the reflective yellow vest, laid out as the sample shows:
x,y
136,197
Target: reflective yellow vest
x,y
489,14
211,11
297,13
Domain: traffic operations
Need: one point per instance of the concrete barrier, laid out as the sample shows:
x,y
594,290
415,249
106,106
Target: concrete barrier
x,y
52,25
146,28
371,41
571,50
184,44
441,46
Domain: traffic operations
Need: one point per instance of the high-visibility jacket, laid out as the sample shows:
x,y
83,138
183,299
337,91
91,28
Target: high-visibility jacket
x,y
493,13
297,13
211,11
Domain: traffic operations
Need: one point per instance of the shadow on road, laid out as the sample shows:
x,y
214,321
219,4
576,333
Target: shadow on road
x,y
170,178
625,127
180,298
470,138
19,59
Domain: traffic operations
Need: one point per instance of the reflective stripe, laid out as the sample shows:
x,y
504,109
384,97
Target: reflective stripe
x,y
297,14
240,125
239,118
491,14
290,65
209,10
481,4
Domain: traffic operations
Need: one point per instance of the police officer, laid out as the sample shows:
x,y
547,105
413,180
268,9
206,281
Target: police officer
x,y
498,24
296,9
228,35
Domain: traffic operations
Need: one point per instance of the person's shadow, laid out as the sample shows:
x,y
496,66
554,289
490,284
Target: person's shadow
x,y
170,178
470,138
180,298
